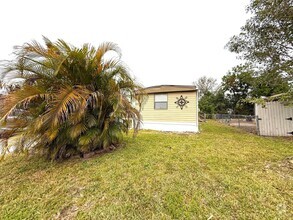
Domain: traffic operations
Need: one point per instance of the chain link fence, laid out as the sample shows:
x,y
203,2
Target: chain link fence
x,y
246,122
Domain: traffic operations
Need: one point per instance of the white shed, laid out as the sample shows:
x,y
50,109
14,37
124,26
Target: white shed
x,y
274,119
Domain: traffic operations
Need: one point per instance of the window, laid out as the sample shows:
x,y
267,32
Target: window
x,y
161,101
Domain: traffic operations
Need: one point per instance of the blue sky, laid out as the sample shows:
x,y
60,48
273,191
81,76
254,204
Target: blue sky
x,y
162,42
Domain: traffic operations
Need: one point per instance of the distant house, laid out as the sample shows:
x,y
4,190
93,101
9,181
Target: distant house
x,y
170,108
274,119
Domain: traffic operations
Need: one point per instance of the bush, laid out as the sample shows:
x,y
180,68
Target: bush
x,y
72,100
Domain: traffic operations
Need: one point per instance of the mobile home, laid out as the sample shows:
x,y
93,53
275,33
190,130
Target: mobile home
x,y
170,108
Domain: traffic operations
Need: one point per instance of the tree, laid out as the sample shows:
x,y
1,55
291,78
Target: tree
x,y
222,102
269,84
238,84
73,100
267,37
205,84
212,103
266,40
243,84
206,103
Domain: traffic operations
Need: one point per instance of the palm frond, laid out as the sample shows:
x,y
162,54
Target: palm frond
x,y
34,49
88,137
67,101
76,130
104,48
21,98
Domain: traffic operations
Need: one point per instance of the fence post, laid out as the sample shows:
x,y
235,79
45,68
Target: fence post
x,y
257,125
238,116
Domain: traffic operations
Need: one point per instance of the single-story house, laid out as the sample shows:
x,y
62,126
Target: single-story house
x,y
170,108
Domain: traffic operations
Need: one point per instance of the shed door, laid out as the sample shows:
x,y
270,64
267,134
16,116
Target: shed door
x,y
275,119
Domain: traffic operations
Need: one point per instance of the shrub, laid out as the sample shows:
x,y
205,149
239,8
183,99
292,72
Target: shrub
x,y
72,100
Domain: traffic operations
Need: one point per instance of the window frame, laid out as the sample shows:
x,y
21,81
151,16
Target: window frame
x,y
161,101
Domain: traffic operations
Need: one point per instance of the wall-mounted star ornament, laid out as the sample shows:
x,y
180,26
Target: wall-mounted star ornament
x,y
181,102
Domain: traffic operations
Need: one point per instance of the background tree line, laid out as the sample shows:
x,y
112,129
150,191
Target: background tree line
x,y
237,89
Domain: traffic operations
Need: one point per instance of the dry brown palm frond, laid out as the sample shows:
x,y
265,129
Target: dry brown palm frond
x,y
34,49
21,98
95,99
67,101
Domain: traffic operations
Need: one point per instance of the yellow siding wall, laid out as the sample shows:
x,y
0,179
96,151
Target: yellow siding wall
x,y
173,113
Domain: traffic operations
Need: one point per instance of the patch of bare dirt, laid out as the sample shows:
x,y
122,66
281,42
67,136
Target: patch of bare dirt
x,y
67,213
284,167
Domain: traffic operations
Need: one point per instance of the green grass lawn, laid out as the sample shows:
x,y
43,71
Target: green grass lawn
x,y
221,173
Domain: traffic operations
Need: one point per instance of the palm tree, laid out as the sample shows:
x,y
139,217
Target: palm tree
x,y
73,100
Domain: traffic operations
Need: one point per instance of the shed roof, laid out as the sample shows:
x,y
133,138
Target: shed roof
x,y
169,88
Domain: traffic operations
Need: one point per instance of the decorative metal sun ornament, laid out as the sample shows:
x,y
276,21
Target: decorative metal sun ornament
x,y
181,102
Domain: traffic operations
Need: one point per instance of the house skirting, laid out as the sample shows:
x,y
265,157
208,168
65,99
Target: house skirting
x,y
170,126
